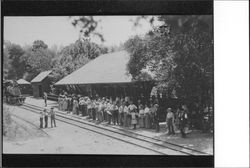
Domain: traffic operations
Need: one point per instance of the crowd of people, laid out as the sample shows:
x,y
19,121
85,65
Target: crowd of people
x,y
121,112
128,113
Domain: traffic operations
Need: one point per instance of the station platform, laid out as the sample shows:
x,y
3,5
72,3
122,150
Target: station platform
x,y
195,139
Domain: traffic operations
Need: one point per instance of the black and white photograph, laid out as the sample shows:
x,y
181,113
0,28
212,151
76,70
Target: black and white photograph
x,y
119,84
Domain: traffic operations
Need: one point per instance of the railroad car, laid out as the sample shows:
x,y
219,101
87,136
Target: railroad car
x,y
12,93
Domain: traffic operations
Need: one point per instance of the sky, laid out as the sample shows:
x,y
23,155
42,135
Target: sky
x,y
58,30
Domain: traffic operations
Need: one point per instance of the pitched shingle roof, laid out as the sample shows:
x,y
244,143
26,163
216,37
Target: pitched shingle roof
x,y
107,68
23,82
41,76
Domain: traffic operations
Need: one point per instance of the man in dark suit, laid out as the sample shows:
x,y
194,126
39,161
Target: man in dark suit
x,y
46,117
52,117
157,118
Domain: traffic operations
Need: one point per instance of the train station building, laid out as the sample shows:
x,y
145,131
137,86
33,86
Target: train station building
x,y
106,75
41,83
25,86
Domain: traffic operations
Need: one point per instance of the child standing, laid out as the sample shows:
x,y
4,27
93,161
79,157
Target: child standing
x,y
132,109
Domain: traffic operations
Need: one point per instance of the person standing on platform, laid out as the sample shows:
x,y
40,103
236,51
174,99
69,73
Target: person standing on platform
x,y
46,115
109,114
97,110
152,110
41,119
121,114
75,106
125,112
93,108
127,101
52,117
45,96
157,118
104,110
182,119
112,109
147,117
85,104
97,103
89,107
115,113
101,109
170,121
65,103
133,111
81,105
68,99
134,116
141,117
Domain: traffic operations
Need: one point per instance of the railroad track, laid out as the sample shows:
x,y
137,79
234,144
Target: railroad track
x,y
26,121
150,143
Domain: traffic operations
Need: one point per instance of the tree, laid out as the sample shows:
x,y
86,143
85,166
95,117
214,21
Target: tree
x,y
179,53
137,47
16,66
38,58
6,59
74,56
39,44
87,25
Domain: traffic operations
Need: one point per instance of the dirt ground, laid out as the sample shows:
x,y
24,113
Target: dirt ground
x,y
24,138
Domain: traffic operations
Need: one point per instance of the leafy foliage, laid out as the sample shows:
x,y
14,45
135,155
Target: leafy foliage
x,y
12,56
6,59
179,53
39,44
87,26
28,62
38,58
74,56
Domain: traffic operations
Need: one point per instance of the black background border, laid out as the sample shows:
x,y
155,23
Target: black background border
x,y
104,7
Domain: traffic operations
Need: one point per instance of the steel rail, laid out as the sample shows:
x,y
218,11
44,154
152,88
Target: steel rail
x,y
184,150
192,151
29,122
99,132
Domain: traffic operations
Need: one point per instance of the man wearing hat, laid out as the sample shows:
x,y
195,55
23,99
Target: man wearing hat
x,y
182,118
170,121
52,117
